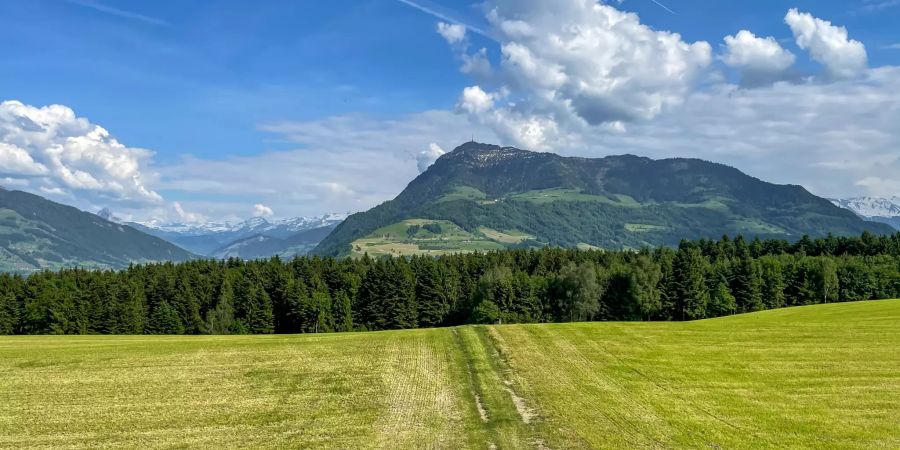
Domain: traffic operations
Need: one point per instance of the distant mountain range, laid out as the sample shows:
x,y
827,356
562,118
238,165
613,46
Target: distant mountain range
x,y
876,209
483,197
36,234
256,237
264,246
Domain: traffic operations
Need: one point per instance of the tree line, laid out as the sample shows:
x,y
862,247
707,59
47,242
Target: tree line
x,y
698,279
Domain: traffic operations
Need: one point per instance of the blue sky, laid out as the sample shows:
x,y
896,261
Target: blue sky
x,y
208,87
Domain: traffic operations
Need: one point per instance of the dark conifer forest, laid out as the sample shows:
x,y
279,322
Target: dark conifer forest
x,y
699,279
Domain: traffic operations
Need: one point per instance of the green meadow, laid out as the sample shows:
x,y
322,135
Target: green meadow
x,y
825,376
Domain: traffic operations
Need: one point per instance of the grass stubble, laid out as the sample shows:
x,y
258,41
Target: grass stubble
x,y
825,376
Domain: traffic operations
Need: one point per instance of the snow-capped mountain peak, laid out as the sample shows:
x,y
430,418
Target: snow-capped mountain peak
x,y
106,214
254,225
254,222
870,206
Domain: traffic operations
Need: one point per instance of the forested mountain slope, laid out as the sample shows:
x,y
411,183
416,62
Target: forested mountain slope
x,y
492,197
36,233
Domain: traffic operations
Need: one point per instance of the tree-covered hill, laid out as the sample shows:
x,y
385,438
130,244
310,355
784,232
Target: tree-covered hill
x,y
613,202
36,233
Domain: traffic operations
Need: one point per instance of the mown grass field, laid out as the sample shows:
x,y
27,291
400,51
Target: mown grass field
x,y
823,376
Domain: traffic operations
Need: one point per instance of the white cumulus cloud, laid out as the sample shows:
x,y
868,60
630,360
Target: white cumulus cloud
x,y
184,216
828,44
60,153
453,33
475,100
260,210
16,161
426,158
760,60
574,63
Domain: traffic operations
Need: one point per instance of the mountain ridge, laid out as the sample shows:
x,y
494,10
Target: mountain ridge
x,y
209,238
37,234
613,202
262,246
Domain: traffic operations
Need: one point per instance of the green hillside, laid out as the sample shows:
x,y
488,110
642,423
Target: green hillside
x,y
36,234
612,202
822,376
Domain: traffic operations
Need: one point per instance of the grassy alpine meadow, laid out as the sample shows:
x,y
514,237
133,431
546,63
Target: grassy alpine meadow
x,y
825,376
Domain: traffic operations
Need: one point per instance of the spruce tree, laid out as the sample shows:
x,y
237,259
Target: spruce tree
x,y
187,305
220,320
432,293
342,312
401,299
692,294
9,310
296,307
258,318
747,284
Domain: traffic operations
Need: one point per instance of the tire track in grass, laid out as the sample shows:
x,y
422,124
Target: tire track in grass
x,y
574,372
506,422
